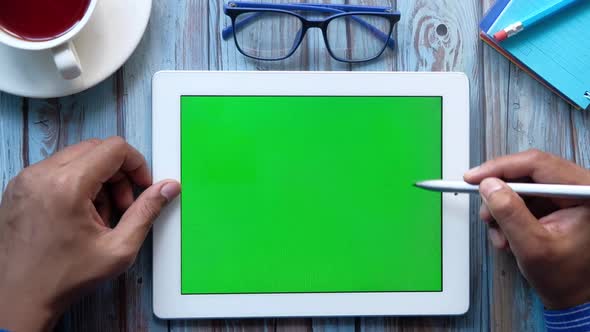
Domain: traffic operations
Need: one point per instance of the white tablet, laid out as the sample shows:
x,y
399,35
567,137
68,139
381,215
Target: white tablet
x,y
298,196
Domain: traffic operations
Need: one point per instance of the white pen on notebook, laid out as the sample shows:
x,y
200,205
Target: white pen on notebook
x,y
523,189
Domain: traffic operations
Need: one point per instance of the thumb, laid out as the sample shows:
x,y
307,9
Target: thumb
x,y
138,219
523,231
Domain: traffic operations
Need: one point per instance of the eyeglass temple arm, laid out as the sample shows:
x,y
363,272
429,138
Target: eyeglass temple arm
x,y
326,8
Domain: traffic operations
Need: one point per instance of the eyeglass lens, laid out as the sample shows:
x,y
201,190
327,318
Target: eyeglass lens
x,y
358,37
267,35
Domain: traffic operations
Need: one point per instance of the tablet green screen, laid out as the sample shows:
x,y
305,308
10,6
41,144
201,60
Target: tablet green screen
x,y
310,194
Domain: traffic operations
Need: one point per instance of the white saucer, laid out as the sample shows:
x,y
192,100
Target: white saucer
x,y
109,39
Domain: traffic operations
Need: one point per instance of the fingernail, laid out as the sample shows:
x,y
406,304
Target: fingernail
x,y
472,171
490,186
170,191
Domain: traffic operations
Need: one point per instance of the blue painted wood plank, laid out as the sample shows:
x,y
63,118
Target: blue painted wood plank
x,y
581,137
495,81
12,131
496,76
56,123
535,114
334,324
536,119
194,49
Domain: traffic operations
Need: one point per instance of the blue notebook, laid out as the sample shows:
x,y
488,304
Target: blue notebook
x,y
557,52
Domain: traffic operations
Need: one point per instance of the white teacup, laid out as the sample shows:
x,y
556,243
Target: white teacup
x,y
62,48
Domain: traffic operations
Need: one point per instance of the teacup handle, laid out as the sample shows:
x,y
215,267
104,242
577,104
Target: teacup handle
x,y
67,61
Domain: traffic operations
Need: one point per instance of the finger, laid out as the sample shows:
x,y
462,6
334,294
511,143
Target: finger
x,y
122,193
137,220
117,177
100,164
485,215
522,230
73,152
569,222
103,207
497,238
539,166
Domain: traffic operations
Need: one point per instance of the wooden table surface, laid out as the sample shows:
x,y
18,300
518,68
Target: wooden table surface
x,y
510,112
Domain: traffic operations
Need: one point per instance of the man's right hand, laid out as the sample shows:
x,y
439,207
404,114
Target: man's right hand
x,y
550,238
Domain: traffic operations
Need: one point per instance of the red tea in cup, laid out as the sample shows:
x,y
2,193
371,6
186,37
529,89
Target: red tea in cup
x,y
40,20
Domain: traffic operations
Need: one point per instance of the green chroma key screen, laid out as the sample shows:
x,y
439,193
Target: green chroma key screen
x,y
310,194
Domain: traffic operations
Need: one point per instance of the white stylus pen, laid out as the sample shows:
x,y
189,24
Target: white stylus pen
x,y
523,189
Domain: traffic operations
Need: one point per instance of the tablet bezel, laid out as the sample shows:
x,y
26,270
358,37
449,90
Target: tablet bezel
x,y
169,86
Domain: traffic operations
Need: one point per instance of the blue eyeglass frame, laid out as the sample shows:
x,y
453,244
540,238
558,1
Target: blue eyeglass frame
x,y
233,9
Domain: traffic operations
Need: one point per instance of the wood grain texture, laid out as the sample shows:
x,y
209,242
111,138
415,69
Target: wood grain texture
x,y
12,131
510,112
496,80
581,137
535,119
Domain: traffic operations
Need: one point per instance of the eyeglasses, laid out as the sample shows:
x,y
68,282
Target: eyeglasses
x,y
273,32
